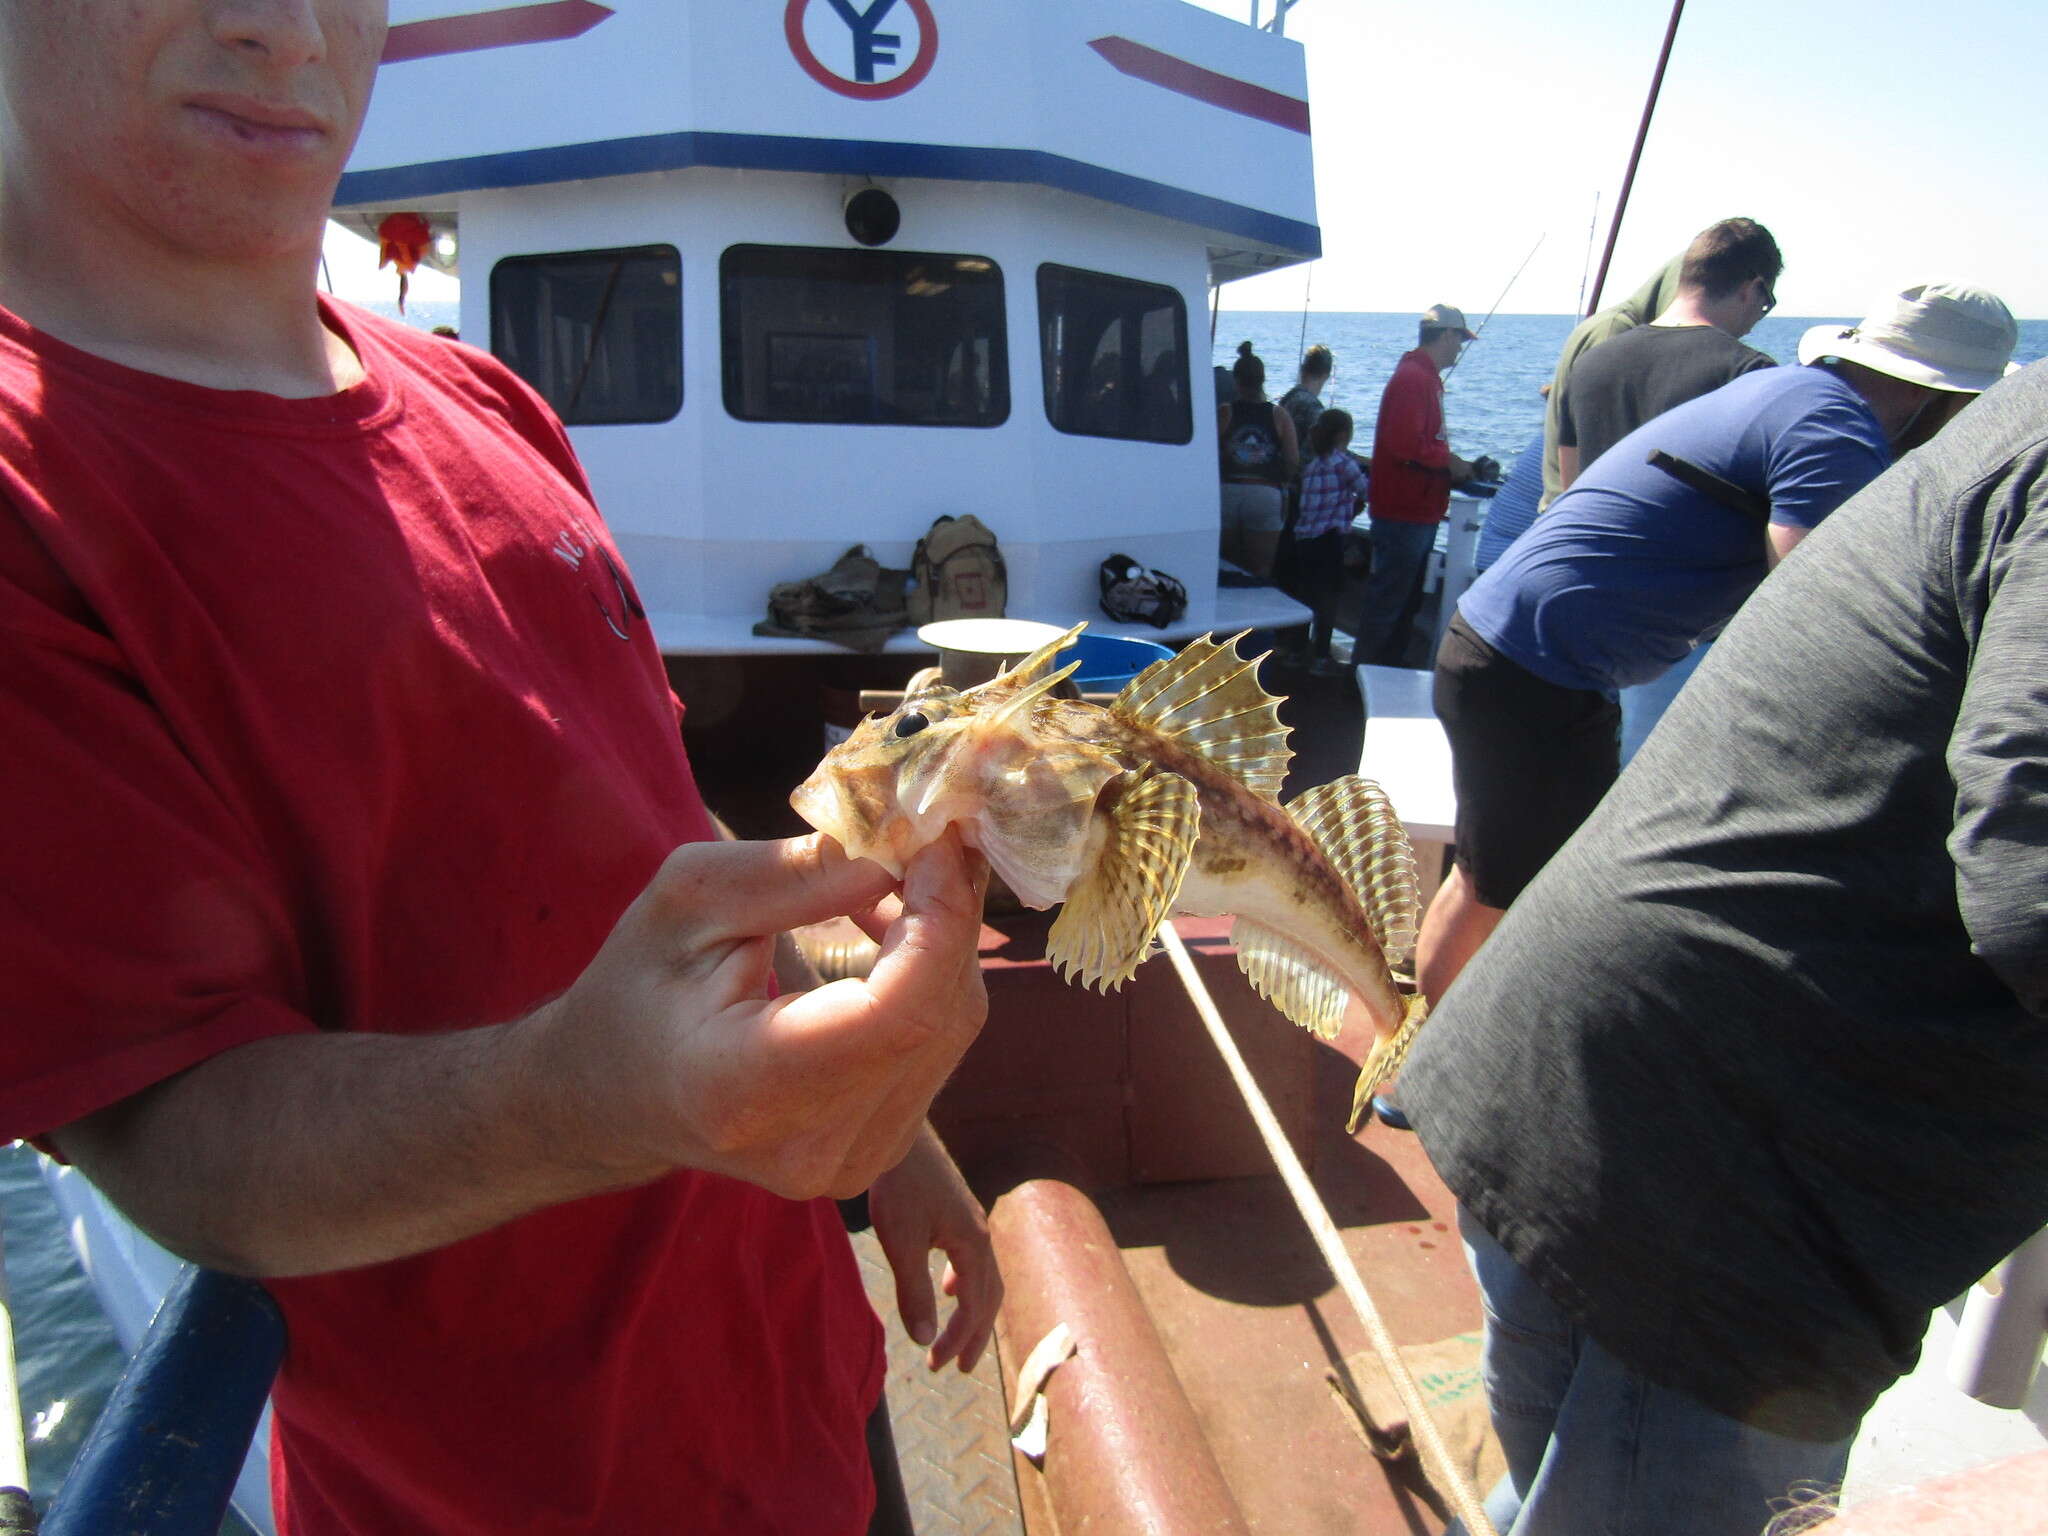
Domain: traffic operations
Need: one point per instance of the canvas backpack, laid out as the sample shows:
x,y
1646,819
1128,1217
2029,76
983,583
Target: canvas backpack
x,y
959,573
858,603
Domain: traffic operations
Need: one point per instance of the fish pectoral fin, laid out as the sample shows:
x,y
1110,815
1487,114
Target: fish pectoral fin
x,y
1354,824
1115,906
1384,1060
1290,978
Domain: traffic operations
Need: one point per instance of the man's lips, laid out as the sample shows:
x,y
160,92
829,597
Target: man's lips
x,y
258,123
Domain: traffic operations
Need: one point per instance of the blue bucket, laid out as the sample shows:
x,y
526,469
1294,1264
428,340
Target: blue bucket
x,y
1110,661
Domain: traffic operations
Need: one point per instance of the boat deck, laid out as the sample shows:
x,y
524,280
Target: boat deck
x,y
1251,1318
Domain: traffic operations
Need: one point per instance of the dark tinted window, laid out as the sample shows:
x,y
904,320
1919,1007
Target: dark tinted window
x,y
908,338
598,333
1115,353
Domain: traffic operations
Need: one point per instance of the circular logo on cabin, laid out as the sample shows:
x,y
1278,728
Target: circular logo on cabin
x,y
867,49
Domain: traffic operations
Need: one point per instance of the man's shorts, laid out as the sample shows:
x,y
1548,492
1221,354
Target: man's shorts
x,y
1529,760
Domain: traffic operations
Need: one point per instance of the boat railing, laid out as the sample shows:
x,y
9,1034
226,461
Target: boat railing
x,y
165,1452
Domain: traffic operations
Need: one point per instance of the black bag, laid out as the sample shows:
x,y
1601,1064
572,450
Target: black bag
x,y
1135,594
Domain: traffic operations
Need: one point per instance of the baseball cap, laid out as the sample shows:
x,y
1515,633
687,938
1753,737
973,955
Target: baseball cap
x,y
1445,317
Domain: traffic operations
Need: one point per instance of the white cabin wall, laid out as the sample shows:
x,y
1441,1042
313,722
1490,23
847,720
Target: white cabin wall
x,y
711,511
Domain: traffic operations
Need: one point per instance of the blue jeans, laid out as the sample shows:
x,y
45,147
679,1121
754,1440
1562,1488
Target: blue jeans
x,y
1399,551
1593,1449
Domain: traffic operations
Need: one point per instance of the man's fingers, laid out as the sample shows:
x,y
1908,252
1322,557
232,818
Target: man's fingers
x,y
929,954
741,890
915,1302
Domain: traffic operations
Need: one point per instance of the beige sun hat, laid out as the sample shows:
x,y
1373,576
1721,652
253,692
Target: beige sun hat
x,y
1940,335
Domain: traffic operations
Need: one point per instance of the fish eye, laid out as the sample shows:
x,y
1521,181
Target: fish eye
x,y
911,724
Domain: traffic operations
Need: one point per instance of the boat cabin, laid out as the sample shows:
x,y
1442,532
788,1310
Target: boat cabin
x,y
806,275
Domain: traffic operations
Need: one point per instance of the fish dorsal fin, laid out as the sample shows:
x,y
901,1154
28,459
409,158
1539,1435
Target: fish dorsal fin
x,y
1115,906
1290,978
1208,699
1352,823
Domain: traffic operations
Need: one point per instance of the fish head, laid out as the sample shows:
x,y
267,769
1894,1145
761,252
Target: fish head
x,y
986,759
896,782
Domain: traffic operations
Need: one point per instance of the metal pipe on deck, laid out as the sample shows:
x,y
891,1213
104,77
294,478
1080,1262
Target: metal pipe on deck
x,y
163,1457
1125,1454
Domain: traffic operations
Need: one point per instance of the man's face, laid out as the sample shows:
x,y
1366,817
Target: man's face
x,y
1759,299
215,127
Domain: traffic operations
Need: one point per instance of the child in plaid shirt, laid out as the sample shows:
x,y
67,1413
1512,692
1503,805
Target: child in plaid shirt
x,y
1332,491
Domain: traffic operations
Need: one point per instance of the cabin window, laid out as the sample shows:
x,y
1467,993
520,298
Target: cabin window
x,y
903,338
598,333
1115,355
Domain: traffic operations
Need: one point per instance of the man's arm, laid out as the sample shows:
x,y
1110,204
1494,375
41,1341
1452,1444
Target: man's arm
x,y
1567,466
312,1152
1290,445
1780,540
1998,753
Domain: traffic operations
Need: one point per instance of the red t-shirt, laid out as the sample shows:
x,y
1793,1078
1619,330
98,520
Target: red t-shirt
x,y
339,714
1411,455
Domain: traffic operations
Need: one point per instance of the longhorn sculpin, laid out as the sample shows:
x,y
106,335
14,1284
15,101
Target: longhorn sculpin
x,y
1164,801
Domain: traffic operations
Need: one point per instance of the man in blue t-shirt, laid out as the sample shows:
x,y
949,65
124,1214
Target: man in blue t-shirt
x,y
1653,548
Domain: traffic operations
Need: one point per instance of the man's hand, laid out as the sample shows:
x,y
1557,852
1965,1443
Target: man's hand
x,y
921,1204
668,1052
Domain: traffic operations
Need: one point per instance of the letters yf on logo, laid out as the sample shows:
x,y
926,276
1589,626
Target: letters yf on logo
x,y
870,45
843,44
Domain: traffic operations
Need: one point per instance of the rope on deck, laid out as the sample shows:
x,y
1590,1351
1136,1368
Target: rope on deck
x,y
1451,1481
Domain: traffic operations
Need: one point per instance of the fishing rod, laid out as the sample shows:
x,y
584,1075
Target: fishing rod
x,y
1635,155
1586,266
1499,301
1307,282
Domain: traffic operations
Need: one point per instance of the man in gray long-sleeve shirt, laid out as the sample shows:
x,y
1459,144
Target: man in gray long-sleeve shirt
x,y
1755,1074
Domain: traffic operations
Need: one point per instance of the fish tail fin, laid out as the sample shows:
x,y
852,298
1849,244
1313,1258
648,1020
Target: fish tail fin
x,y
1353,823
1384,1060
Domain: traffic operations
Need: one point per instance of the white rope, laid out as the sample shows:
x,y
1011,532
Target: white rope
x,y
1451,1482
13,1453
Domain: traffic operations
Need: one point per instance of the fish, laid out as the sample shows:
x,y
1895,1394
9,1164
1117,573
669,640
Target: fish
x,y
1164,801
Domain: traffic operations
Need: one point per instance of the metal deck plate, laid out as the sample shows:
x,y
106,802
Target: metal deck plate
x,y
951,1436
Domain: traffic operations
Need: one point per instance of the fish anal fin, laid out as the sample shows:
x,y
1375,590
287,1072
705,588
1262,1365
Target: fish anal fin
x,y
1115,906
1354,825
1290,978
1384,1060
1208,699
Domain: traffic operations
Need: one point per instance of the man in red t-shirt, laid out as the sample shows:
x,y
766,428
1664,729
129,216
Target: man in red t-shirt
x,y
366,932
1413,470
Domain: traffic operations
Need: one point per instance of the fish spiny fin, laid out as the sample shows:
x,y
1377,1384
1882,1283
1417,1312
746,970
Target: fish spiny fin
x,y
1008,706
1289,977
1208,699
1115,906
1037,664
1353,823
1384,1060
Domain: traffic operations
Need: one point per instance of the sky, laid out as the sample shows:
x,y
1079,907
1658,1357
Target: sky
x,y
1883,143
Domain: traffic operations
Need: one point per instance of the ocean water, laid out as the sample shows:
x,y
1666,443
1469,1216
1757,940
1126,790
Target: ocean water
x,y
68,1358
1491,404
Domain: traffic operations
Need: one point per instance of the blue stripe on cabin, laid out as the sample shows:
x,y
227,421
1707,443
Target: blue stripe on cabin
x,y
846,157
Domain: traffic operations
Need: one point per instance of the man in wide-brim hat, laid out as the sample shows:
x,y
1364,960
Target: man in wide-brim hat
x,y
1651,550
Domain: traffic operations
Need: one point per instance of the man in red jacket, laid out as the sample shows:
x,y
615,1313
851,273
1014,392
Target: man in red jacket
x,y
1413,470
365,932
